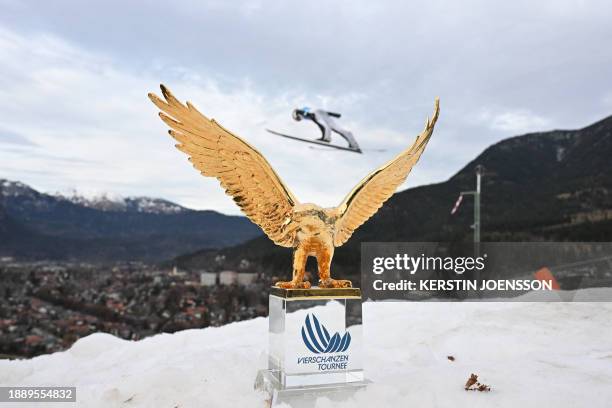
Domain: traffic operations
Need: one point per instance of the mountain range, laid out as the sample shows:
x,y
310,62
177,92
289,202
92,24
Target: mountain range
x,y
548,186
35,225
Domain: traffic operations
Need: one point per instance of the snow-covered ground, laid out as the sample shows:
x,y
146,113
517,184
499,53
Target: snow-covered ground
x,y
532,355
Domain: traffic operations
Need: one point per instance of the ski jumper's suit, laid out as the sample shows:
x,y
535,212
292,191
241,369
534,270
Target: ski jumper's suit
x,y
324,121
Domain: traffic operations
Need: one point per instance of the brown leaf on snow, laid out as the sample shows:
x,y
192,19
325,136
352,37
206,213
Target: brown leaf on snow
x,y
471,381
472,384
451,358
483,388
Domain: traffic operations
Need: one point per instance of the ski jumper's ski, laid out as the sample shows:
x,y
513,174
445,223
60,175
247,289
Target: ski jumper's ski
x,y
317,142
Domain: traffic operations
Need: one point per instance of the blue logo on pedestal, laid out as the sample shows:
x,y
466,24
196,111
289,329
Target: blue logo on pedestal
x,y
317,338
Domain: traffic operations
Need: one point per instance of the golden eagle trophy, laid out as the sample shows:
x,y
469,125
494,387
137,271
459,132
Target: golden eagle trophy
x,y
248,177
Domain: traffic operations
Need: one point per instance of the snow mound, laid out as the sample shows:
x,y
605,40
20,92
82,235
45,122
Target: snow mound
x,y
532,355
90,346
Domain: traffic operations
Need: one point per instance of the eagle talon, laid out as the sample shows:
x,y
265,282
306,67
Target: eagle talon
x,y
293,285
335,283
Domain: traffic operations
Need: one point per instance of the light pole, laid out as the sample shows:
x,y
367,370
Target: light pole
x,y
479,171
476,193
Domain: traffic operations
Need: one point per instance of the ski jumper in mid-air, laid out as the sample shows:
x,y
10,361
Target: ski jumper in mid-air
x,y
324,121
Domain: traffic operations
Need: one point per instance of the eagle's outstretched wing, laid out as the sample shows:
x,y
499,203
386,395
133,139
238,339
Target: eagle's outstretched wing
x,y
370,194
243,172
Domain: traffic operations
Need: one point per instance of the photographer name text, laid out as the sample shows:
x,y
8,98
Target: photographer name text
x,y
464,285
411,265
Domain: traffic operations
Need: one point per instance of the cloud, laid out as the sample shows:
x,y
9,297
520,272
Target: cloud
x,y
73,80
514,121
12,138
607,101
96,131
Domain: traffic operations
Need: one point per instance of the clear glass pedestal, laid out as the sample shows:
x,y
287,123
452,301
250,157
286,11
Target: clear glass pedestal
x,y
315,345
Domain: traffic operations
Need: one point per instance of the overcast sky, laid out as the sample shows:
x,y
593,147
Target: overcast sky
x,y
74,77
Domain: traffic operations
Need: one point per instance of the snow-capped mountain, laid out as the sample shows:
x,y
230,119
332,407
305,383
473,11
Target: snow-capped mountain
x,y
135,204
15,188
55,226
103,202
